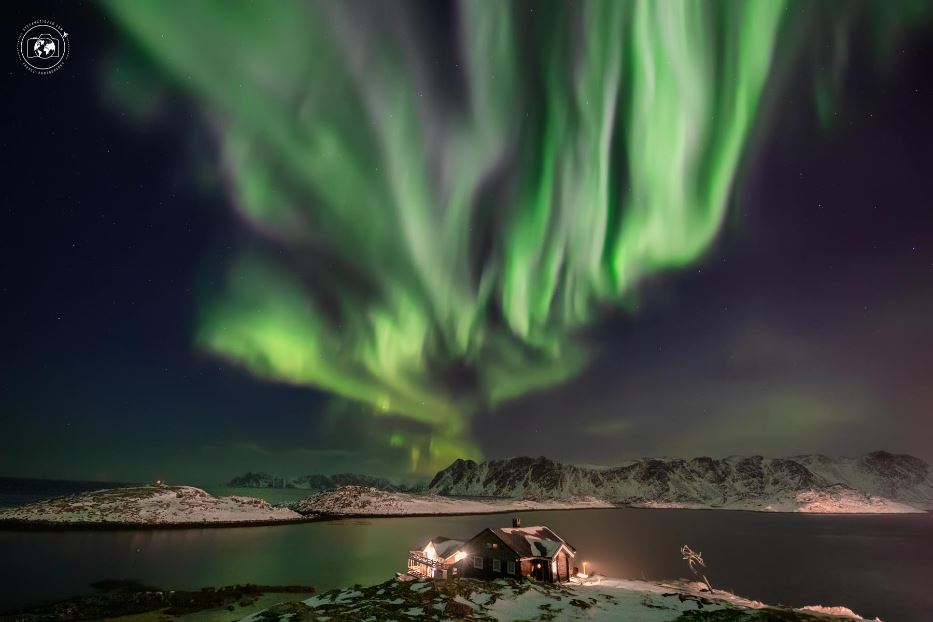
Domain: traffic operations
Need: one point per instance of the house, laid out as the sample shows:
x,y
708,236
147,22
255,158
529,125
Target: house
x,y
436,559
516,552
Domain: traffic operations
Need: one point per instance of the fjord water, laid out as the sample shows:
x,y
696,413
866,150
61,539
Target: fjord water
x,y
876,565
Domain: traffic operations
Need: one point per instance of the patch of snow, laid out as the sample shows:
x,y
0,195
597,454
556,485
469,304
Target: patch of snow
x,y
421,586
463,601
481,598
345,596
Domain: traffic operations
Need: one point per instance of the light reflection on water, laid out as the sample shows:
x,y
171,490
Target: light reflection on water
x,y
877,565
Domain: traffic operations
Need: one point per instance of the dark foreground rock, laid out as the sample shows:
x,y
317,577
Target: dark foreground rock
x,y
112,599
594,600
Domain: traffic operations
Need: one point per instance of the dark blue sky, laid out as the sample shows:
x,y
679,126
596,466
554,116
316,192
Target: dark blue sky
x,y
806,328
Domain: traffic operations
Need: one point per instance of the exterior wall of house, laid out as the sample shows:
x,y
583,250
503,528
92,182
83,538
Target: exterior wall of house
x,y
563,566
540,569
493,553
488,557
421,566
526,567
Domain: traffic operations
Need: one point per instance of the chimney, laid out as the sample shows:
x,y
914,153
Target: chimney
x,y
516,521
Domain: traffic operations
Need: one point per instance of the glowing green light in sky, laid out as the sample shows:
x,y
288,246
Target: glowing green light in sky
x,y
446,211
445,228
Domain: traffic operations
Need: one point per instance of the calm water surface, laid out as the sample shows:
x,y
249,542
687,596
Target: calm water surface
x,y
877,565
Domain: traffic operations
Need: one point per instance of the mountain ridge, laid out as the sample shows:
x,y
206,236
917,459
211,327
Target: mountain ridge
x,y
748,482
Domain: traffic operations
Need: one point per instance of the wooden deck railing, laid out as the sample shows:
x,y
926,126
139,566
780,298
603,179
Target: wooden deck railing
x,y
416,558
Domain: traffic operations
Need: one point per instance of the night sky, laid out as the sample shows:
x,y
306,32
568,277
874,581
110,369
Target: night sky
x,y
214,260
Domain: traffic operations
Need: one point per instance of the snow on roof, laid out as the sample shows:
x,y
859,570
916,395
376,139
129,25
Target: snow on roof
x,y
537,541
544,548
444,546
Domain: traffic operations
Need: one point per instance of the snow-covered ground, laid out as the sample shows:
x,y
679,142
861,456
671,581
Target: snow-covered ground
x,y
147,505
364,501
834,500
594,599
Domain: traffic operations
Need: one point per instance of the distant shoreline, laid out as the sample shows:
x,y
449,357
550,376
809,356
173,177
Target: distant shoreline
x,y
12,524
47,526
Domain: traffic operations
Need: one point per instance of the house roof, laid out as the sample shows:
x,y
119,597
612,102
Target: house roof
x,y
444,546
537,541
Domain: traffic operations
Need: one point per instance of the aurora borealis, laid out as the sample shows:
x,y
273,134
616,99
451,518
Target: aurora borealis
x,y
443,211
423,234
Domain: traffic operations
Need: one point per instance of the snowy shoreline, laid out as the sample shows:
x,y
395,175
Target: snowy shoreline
x,y
359,502
185,507
594,599
145,507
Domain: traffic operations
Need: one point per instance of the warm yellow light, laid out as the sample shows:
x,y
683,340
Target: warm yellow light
x,y
583,575
459,555
429,551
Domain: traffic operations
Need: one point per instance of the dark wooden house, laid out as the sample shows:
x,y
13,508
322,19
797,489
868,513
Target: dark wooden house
x,y
517,552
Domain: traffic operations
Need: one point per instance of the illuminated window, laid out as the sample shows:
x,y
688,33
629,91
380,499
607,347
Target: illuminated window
x,y
510,567
477,562
497,565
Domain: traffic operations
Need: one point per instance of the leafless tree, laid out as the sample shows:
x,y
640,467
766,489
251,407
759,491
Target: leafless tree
x,y
696,563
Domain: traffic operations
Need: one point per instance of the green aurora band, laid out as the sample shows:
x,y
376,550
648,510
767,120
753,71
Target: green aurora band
x,y
448,212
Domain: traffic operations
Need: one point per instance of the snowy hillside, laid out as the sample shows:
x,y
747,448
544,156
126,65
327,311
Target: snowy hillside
x,y
879,482
894,476
595,599
147,505
366,501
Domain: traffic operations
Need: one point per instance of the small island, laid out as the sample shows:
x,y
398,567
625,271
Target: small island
x,y
157,505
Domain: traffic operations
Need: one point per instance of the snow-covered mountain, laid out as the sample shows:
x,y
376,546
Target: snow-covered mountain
x,y
879,481
365,501
899,477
